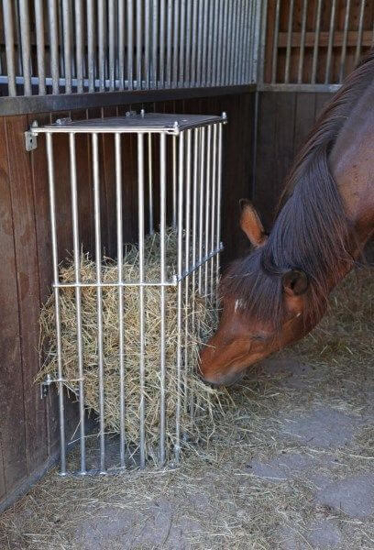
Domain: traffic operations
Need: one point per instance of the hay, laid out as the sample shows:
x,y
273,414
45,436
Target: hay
x,y
202,311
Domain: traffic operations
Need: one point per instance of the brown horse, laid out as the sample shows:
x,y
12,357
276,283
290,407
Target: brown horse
x,y
277,294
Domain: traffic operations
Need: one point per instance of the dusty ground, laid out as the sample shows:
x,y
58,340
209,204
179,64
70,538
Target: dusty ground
x,y
291,466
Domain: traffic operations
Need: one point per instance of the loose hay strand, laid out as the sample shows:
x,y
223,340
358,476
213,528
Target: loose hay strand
x,y
205,316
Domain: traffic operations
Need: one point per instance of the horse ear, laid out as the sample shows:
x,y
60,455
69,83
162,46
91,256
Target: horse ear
x,y
295,282
251,224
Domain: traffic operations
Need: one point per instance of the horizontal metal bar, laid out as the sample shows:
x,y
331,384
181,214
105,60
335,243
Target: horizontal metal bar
x,y
298,87
173,282
20,105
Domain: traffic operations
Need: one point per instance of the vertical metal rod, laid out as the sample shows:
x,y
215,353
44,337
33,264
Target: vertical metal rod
x,y
91,46
230,44
112,43
249,69
141,297
52,206
176,43
40,44
53,40
199,45
9,46
359,32
182,20
25,42
302,42
139,53
121,43
224,57
205,25
179,296
163,297
275,44
331,42
243,22
207,204
219,198
187,73
60,18
97,213
289,43
150,185
234,42
219,47
316,42
18,38
162,44
155,43
262,30
187,267
101,32
201,203
120,297
169,44
257,28
130,44
194,238
79,27
174,182
78,301
67,44
194,30
345,39
147,44
213,209
209,54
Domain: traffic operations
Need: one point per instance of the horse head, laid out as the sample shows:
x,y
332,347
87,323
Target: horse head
x,y
249,332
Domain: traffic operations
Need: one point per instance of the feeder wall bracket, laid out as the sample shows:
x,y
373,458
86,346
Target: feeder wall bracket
x,y
31,137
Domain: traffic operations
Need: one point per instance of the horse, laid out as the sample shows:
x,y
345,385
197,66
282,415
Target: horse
x,y
279,292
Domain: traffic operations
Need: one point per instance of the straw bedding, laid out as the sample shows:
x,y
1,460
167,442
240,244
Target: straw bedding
x,y
199,312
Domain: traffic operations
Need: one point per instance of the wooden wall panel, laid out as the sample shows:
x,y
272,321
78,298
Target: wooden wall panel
x,y
285,120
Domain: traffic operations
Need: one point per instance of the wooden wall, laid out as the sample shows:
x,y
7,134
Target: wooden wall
x,y
28,424
285,119
336,72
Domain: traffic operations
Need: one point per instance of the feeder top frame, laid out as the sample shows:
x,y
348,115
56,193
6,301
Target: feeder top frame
x,y
159,123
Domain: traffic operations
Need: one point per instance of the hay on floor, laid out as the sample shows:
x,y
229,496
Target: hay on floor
x,y
199,315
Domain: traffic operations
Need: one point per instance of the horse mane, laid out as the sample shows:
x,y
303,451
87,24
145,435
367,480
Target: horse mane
x,y
311,232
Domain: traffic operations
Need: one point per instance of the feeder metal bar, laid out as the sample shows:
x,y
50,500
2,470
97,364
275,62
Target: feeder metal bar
x,y
150,185
52,206
201,195
219,198
76,250
213,215
207,206
174,182
120,296
141,296
100,353
163,278
187,264
179,297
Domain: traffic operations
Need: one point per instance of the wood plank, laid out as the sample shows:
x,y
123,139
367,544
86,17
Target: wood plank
x,y
304,119
21,186
12,414
367,37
